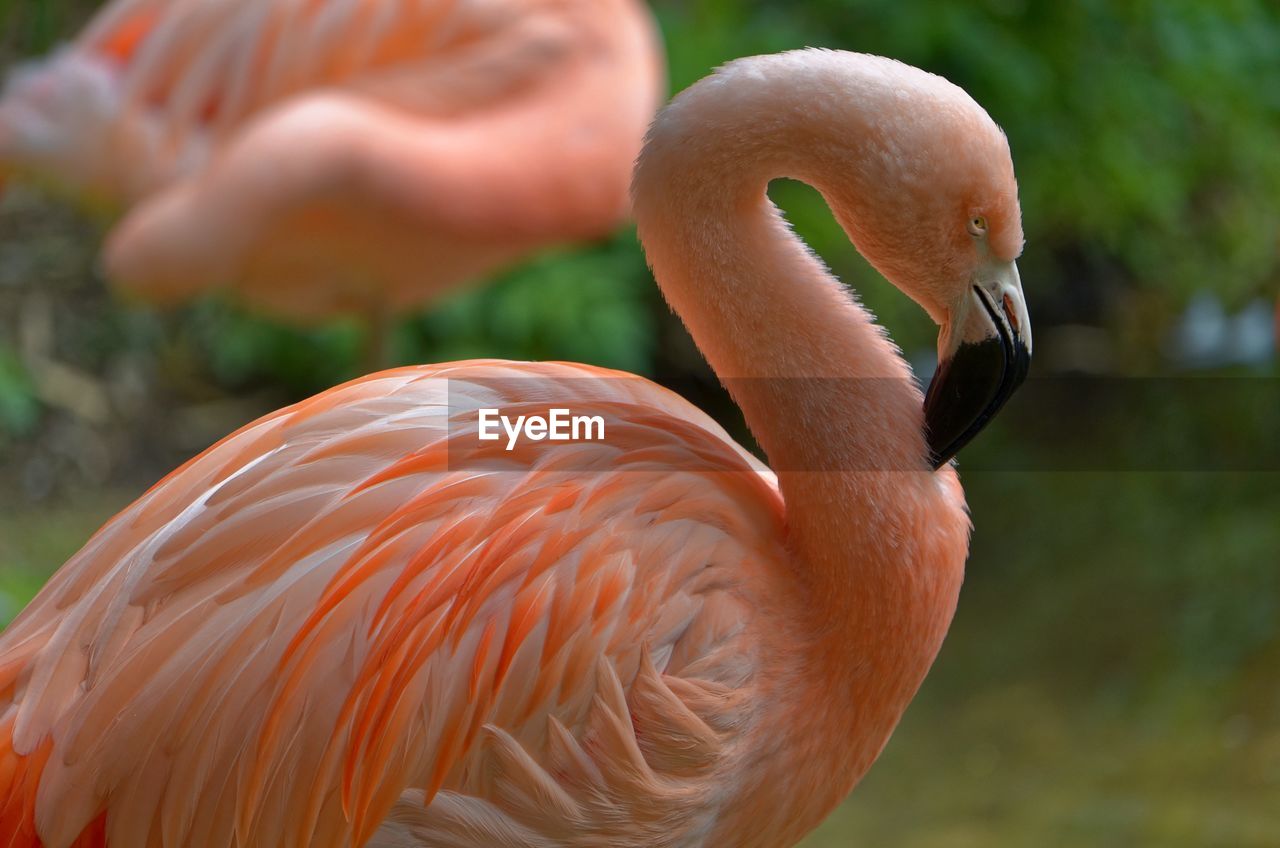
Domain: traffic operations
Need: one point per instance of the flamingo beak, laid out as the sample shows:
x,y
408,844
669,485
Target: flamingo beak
x,y
984,353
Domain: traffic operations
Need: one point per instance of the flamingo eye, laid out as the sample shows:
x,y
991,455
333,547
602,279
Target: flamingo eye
x,y
978,225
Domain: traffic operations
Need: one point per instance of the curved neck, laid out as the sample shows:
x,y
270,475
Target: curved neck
x,y
877,543
823,390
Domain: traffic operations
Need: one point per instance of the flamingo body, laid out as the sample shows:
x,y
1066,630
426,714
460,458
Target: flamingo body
x,y
554,657
320,157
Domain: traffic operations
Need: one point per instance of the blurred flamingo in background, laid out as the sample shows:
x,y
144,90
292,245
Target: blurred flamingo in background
x,y
329,156
354,622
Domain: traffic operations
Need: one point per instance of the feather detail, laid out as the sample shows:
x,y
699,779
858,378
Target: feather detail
x,y
316,633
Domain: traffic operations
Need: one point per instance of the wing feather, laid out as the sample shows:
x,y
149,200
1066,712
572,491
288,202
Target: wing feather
x,y
336,613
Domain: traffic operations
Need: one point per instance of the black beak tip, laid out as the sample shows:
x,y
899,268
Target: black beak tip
x,y
968,390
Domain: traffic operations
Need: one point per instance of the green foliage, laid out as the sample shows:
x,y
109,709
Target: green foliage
x,y
242,350
34,26
35,541
1158,578
19,408
592,305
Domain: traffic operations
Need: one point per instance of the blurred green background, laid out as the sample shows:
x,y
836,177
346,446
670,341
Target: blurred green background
x,y
1113,675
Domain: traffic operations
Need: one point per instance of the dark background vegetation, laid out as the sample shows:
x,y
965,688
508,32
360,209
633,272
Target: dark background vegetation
x,y
1112,675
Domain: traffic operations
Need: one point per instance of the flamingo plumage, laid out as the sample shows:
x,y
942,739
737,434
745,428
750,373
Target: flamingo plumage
x,y
319,157
354,622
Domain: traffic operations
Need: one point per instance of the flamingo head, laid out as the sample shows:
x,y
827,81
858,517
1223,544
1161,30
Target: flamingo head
x,y
929,198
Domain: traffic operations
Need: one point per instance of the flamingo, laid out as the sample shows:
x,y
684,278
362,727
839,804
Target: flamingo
x,y
357,622
320,157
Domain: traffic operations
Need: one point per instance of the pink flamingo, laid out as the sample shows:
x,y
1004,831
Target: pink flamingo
x,y
354,622
326,156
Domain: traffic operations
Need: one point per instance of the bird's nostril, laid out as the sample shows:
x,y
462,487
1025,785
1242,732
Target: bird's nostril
x,y
1011,313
